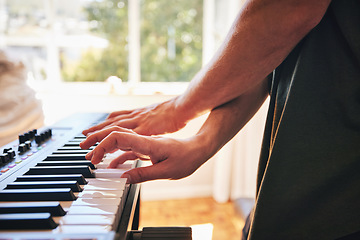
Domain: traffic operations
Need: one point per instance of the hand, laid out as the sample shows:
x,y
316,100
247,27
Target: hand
x,y
152,120
171,158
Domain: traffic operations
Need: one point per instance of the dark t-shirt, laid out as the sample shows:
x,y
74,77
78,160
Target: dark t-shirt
x,y
309,171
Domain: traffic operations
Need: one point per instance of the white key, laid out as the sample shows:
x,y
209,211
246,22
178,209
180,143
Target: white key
x,y
85,229
109,173
103,188
104,165
112,156
100,194
87,220
93,210
96,201
125,165
106,182
69,232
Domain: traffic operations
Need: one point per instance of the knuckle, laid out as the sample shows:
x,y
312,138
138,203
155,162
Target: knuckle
x,y
113,134
91,137
115,128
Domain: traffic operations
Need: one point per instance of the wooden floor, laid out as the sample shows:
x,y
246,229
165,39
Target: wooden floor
x,y
206,217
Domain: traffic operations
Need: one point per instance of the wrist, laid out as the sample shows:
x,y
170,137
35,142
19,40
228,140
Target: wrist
x,y
205,144
185,109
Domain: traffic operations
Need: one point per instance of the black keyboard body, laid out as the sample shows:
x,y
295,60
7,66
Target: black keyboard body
x,y
44,170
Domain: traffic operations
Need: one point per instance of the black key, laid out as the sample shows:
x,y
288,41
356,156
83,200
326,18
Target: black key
x,y
69,144
78,140
54,208
74,148
79,151
84,170
47,194
75,187
80,137
59,157
75,144
66,163
67,177
18,221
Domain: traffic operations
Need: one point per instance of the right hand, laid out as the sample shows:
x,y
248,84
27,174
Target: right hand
x,y
151,120
170,158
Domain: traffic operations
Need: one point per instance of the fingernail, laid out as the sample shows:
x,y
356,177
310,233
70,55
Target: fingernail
x,y
128,178
88,155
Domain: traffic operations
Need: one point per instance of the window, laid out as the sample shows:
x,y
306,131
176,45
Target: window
x,y
171,40
90,40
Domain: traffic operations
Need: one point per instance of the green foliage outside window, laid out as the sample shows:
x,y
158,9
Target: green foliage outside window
x,y
171,42
109,20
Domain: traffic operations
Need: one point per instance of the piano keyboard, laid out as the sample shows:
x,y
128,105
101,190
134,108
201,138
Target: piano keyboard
x,y
50,191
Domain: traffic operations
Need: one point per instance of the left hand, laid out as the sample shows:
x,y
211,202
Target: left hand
x,y
155,119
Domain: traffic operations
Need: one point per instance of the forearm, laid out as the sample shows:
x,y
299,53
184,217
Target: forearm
x,y
263,34
225,121
172,158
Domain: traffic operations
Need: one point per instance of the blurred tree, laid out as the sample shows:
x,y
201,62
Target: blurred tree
x,y
171,41
108,19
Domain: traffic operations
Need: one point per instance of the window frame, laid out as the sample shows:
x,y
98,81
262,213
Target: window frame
x,y
211,41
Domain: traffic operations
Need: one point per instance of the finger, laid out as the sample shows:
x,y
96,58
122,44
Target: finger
x,y
143,174
142,156
97,155
122,158
88,156
93,138
97,127
117,113
100,135
127,123
121,140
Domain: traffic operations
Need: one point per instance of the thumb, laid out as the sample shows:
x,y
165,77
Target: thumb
x,y
143,174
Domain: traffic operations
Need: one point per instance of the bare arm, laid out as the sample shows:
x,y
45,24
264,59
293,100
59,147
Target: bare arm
x,y
261,37
263,34
172,158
